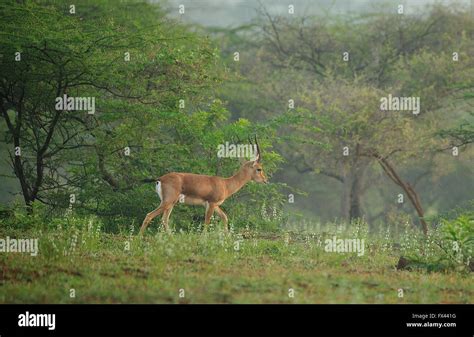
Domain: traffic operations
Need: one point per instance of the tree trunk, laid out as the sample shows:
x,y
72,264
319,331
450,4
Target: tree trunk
x,y
411,193
355,207
346,198
352,192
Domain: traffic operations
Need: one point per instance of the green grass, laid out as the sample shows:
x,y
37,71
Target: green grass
x,y
210,270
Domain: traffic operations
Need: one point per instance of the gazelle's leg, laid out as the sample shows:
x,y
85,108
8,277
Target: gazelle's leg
x,y
150,216
166,217
223,217
209,211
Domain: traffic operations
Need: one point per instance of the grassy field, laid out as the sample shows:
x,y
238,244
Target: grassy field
x,y
192,267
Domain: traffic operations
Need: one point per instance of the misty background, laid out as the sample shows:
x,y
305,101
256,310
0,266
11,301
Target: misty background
x,y
258,86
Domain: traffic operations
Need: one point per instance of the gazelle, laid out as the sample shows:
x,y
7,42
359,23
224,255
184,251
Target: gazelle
x,y
203,190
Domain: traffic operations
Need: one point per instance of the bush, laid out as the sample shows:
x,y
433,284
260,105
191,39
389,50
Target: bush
x,y
458,238
448,247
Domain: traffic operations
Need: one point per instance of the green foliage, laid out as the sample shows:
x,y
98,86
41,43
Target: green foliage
x,y
463,134
138,109
459,237
448,247
337,103
20,217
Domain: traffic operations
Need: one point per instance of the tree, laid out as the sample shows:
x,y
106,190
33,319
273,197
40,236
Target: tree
x,y
124,56
152,81
336,72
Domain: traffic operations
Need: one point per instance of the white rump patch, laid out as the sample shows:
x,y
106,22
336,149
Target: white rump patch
x,y
158,189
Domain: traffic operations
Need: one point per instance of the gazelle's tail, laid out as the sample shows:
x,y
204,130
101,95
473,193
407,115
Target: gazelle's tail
x,y
158,189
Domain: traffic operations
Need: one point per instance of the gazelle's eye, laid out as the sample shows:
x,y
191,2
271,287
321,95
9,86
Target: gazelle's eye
x,y
259,170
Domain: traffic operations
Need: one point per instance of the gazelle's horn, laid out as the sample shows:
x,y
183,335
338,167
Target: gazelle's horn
x,y
259,155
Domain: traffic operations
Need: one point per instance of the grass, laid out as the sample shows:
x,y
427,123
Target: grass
x,y
214,268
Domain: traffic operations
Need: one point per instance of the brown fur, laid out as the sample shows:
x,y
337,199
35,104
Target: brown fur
x,y
203,190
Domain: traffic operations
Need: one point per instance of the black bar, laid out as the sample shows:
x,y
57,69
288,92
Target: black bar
x,y
240,320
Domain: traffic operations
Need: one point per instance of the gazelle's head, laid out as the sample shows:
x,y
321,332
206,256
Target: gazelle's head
x,y
255,168
257,173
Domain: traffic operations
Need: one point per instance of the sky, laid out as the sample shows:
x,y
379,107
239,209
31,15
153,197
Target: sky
x,y
232,13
